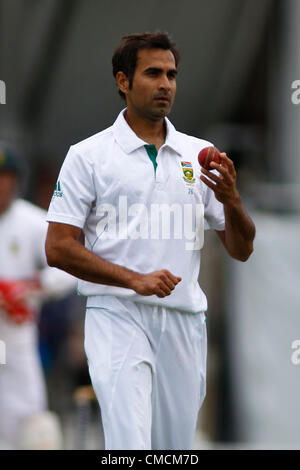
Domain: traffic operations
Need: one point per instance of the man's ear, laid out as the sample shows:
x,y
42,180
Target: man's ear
x,y
122,82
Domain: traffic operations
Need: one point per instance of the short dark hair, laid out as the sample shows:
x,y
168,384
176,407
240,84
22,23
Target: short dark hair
x,y
125,55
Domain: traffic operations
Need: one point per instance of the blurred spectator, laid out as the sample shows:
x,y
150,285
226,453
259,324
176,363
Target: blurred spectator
x,y
25,282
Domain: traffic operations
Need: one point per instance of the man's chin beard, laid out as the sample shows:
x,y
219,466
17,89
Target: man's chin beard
x,y
153,113
160,113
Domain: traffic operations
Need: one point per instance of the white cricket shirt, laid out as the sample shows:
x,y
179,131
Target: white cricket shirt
x,y
139,212
23,230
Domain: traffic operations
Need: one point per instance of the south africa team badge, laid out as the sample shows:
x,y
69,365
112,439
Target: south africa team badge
x,y
188,173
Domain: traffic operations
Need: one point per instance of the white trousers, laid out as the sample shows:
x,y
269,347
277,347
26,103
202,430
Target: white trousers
x,y
22,387
148,369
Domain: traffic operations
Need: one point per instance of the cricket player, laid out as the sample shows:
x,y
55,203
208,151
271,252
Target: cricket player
x,y
137,191
25,281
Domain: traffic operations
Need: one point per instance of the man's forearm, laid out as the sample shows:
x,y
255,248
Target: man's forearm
x,y
72,257
239,231
64,251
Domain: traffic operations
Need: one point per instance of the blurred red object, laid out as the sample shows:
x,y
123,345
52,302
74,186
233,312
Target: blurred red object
x,y
18,299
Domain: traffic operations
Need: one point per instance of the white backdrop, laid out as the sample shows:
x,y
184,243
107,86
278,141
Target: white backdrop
x,y
263,308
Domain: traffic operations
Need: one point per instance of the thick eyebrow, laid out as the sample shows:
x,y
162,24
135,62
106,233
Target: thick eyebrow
x,y
157,69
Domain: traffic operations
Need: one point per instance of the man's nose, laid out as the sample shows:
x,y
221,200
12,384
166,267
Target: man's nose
x,y
164,83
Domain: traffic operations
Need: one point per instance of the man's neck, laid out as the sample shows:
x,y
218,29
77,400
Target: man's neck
x,y
151,131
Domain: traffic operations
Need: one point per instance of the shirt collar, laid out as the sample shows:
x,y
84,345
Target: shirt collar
x,y
129,141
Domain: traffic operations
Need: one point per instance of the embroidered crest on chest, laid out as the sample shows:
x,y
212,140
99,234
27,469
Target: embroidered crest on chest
x,y
188,173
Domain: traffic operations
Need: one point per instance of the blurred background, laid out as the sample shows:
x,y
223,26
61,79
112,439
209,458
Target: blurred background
x,y
239,61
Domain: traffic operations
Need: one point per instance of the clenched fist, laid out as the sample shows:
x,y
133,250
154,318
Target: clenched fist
x,y
160,283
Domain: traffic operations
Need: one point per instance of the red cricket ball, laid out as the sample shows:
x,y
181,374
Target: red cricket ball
x,y
207,155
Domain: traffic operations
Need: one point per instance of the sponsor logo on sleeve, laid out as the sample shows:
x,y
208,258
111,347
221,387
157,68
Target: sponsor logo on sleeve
x,y
58,192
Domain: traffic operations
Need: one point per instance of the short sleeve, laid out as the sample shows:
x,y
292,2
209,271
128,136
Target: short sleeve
x,y
74,191
214,217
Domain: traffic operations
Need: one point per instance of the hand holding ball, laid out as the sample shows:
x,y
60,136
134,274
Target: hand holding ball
x,y
208,155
